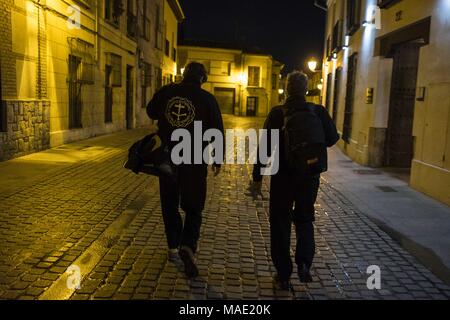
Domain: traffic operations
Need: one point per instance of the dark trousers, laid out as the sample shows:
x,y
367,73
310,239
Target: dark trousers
x,y
187,191
292,199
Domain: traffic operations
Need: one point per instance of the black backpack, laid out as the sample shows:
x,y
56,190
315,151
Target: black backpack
x,y
304,140
150,156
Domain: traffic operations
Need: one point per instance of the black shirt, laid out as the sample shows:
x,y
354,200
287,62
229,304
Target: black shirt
x,y
179,106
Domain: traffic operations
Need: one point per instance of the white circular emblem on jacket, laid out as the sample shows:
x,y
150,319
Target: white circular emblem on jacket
x,y
180,112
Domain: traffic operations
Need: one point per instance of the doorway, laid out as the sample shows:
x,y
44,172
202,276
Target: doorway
x,y
400,141
74,88
252,106
129,98
225,97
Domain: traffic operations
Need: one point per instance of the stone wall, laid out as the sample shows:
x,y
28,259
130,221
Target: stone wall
x,y
27,128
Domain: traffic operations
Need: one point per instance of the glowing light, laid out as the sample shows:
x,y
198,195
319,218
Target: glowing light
x,y
312,65
320,86
182,70
280,91
242,78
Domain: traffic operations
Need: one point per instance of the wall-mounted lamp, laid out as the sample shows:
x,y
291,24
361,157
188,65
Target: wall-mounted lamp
x,y
281,91
312,65
320,86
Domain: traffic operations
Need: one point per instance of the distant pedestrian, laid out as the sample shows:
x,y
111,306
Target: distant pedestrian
x,y
306,130
178,106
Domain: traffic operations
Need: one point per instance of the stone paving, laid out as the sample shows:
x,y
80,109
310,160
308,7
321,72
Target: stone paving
x,y
67,217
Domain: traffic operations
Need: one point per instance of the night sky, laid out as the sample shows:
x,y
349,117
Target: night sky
x,y
290,30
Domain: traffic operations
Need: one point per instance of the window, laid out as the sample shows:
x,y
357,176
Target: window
x,y
115,61
254,76
131,19
74,87
146,27
113,11
328,96
337,85
167,48
159,78
158,29
350,97
337,37
353,16
146,82
274,82
174,54
108,94
225,68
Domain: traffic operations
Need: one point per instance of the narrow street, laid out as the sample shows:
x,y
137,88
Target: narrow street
x,y
87,211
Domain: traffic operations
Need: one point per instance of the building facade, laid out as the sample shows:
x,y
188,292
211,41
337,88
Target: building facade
x,y
173,15
244,84
387,85
71,70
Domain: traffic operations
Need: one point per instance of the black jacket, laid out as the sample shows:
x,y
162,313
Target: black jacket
x,y
275,120
178,106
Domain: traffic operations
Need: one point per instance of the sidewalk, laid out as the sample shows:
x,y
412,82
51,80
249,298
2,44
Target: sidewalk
x,y
420,224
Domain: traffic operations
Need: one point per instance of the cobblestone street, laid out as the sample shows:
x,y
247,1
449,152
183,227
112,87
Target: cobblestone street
x,y
98,216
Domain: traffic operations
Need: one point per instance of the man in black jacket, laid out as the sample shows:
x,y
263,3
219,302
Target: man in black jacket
x,y
288,189
179,106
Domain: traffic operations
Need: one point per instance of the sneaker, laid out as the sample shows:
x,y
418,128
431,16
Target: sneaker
x,y
187,256
172,255
284,285
304,274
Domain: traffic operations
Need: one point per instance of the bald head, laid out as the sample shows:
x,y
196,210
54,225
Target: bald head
x,y
297,84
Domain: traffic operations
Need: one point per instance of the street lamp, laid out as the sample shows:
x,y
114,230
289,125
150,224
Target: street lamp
x,y
312,65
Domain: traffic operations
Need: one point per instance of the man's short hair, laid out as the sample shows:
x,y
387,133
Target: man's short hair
x,y
195,71
297,83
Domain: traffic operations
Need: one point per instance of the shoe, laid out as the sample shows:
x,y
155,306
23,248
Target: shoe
x,y
304,274
172,255
284,285
190,268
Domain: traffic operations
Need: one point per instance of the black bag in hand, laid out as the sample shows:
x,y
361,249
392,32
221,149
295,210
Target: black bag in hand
x,y
150,156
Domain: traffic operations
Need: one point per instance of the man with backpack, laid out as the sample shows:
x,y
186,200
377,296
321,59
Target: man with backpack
x,y
306,130
180,106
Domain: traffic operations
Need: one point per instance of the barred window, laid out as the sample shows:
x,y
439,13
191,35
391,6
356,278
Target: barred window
x,y
254,76
146,25
115,61
146,75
